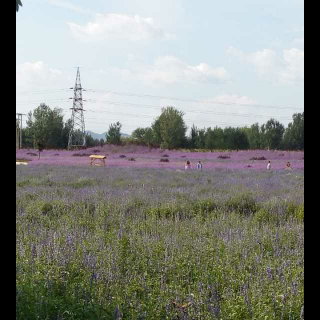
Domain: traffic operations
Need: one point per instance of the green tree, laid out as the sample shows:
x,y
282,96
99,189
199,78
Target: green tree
x,y
172,128
239,139
214,139
156,133
143,136
193,136
90,141
138,135
254,136
272,134
201,139
45,126
65,133
113,135
294,134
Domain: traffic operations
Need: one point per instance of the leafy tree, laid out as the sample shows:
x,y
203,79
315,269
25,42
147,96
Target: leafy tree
x,y
113,135
272,134
90,141
239,139
254,136
18,3
214,138
294,134
143,136
156,132
149,137
46,126
101,142
138,135
172,128
201,139
65,133
193,136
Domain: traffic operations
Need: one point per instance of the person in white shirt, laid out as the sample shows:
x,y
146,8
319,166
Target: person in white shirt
x,y
269,165
199,165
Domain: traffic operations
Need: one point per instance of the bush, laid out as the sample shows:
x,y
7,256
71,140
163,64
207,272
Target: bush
x,y
122,156
295,211
131,159
164,160
165,156
243,204
224,157
299,214
32,154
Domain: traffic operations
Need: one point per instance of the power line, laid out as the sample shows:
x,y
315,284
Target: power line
x,y
190,100
188,110
209,112
163,97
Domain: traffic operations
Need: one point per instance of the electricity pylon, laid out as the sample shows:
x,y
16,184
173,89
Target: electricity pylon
x,y
77,135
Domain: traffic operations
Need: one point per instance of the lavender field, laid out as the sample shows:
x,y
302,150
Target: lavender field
x,y
146,239
145,157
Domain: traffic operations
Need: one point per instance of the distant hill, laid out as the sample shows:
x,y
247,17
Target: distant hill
x,y
103,135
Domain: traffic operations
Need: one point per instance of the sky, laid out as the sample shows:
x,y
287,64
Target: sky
x,y
222,63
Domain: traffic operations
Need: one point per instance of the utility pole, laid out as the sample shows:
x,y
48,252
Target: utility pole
x,y
77,135
20,128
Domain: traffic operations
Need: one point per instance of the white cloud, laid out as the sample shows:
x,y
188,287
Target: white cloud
x,y
294,66
264,61
36,74
288,69
113,26
170,70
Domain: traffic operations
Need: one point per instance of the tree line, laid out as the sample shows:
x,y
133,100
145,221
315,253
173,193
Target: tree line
x,y
47,129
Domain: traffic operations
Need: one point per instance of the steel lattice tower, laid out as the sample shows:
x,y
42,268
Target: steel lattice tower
x,y
77,135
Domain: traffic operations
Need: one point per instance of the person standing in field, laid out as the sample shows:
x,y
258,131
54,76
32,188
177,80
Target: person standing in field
x,y
187,165
269,165
199,165
288,166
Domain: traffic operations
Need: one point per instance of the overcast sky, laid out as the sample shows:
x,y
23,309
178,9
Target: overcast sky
x,y
221,62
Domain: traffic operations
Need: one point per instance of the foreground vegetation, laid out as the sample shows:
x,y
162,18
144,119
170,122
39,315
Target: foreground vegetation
x,y
116,243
